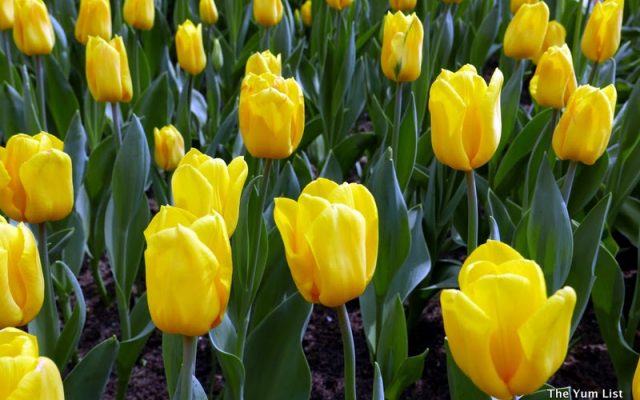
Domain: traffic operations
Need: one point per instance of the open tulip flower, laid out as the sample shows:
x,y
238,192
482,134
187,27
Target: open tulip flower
x,y
503,331
601,37
525,33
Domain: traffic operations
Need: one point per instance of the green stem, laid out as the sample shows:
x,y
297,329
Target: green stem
x,y
395,140
41,91
267,39
168,175
97,278
568,181
52,326
7,50
575,47
349,353
124,315
594,74
472,210
115,111
188,366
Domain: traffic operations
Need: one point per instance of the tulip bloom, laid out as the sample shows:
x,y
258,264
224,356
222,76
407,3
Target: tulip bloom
x,y
305,11
401,55
601,37
403,5
555,36
330,238
516,4
585,127
526,32
188,271
35,179
32,29
465,117
169,147
190,49
554,80
24,375
6,14
94,19
271,113
503,331
339,4
108,73
204,185
267,12
259,63
21,279
208,12
140,14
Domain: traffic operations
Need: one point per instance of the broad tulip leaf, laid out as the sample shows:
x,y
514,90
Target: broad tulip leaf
x,y
58,88
12,109
409,372
99,169
587,182
393,345
499,213
155,106
88,380
407,144
31,115
332,168
484,37
378,384
172,359
223,339
75,143
510,103
350,149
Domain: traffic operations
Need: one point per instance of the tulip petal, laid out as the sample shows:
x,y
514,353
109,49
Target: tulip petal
x,y
493,251
15,342
168,217
42,382
14,369
321,187
192,191
10,312
490,122
238,172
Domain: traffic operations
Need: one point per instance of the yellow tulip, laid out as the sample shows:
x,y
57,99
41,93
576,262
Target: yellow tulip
x,y
516,4
503,331
188,271
35,179
601,37
32,29
259,63
401,54
107,69
204,185
585,127
267,12
465,117
403,5
24,375
169,147
208,12
6,14
555,36
339,4
21,280
305,10
94,19
636,383
330,238
271,113
140,14
190,49
526,32
554,80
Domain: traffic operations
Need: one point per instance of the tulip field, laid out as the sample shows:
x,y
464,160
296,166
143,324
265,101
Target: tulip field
x,y
319,199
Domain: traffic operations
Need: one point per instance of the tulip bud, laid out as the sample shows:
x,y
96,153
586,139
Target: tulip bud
x,y
259,63
24,375
267,12
555,36
217,59
203,185
465,117
305,10
526,31
516,4
190,49
169,147
208,12
107,68
139,13
32,29
554,80
21,280
503,331
636,383
6,14
94,19
271,113
339,4
330,238
601,37
188,271
403,5
585,127
35,179
401,55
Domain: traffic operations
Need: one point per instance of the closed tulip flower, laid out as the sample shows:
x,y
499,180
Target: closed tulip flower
x,y
6,14
188,271
403,5
35,179
169,147
208,12
21,280
526,32
555,36
585,127
140,14
204,185
32,29
190,49
305,10
271,113
24,375
401,55
330,238
465,117
339,4
601,37
503,331
554,80
107,68
516,4
267,12
94,19
259,63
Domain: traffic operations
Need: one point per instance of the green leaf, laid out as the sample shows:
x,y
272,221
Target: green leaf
x,y
12,109
70,335
155,106
378,384
172,359
75,143
332,169
59,88
500,215
350,149
393,345
408,144
99,168
460,386
587,183
409,372
223,339
31,116
484,37
88,380
183,122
